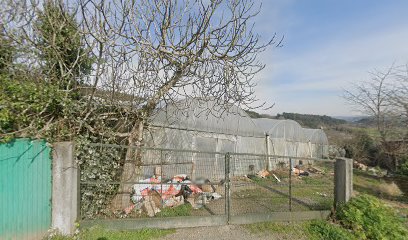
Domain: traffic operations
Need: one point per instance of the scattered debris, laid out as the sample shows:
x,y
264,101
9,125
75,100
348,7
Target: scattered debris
x,y
304,174
359,166
321,194
149,206
315,170
277,179
297,171
149,195
263,173
251,176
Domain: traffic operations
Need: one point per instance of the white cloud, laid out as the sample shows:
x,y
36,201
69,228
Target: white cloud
x,y
328,67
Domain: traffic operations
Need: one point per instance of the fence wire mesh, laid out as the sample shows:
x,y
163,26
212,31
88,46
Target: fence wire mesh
x,y
262,184
155,182
176,183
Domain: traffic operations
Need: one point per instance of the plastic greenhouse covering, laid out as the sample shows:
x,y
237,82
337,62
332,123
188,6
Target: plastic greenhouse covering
x,y
202,125
316,136
318,142
206,116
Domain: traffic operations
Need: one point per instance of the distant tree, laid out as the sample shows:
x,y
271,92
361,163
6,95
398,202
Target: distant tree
x,y
383,98
399,94
253,114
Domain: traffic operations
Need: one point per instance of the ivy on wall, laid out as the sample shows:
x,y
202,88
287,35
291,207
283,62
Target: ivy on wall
x,y
100,168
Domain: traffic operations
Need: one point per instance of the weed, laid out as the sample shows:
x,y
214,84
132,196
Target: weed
x,y
182,210
390,189
369,218
325,230
103,234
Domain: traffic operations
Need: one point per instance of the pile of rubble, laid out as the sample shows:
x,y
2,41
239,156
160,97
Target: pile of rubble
x,y
152,194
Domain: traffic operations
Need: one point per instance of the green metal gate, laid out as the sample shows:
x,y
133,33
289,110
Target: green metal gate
x,y
25,189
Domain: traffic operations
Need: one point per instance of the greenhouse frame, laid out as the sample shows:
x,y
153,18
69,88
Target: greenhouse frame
x,y
202,125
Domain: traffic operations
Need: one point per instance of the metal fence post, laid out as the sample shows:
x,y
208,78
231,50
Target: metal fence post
x,y
227,187
79,196
161,178
290,184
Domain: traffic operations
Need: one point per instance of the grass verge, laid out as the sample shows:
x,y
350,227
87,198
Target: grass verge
x,y
98,233
313,230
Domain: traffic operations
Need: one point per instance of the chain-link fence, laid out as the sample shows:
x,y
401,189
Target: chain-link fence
x,y
290,184
142,183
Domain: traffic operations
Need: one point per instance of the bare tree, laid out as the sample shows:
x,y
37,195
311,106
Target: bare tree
x,y
162,51
146,53
371,98
399,95
384,99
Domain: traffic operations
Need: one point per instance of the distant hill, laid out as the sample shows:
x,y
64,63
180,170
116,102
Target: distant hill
x,y
368,121
306,120
312,121
254,114
351,119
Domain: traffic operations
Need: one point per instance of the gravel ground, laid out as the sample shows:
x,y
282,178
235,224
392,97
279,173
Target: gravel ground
x,y
211,233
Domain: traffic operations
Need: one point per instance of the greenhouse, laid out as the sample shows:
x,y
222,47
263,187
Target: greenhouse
x,y
202,125
318,143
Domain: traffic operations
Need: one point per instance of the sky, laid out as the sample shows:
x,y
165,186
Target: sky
x,y
328,44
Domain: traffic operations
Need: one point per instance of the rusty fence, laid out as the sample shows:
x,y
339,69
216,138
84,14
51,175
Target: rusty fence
x,y
130,188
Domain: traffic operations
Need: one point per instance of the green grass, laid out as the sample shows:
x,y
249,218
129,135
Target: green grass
x,y
182,210
367,184
314,230
326,230
98,233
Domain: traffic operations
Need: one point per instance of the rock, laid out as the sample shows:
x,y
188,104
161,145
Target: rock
x,y
150,207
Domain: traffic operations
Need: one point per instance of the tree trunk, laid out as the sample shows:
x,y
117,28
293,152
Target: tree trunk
x,y
131,168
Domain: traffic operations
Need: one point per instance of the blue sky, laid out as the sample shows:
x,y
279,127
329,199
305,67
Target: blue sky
x,y
328,45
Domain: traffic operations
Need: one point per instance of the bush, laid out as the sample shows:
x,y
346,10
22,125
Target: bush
x,y
369,218
28,105
327,231
403,170
362,148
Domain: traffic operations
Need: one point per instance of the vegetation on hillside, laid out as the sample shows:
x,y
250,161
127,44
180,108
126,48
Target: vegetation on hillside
x,y
312,121
306,120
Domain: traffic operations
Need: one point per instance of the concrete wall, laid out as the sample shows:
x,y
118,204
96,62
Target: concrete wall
x,y
64,188
343,182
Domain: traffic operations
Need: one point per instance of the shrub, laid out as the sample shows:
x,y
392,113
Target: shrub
x,y
327,231
403,170
369,218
